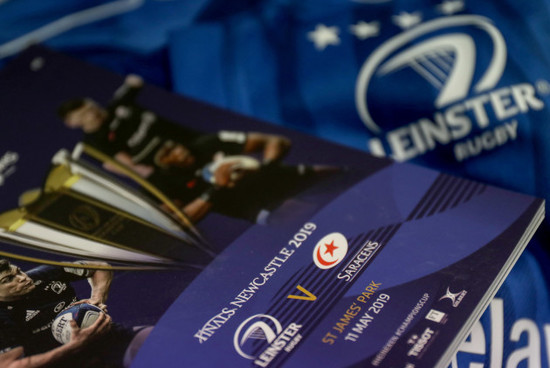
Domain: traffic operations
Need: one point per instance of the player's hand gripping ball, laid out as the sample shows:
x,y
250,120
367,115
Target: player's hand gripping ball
x,y
228,171
84,314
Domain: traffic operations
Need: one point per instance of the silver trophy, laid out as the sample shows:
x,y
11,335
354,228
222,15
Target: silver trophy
x,y
83,212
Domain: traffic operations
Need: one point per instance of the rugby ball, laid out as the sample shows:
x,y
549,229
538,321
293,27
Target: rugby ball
x,y
84,314
246,163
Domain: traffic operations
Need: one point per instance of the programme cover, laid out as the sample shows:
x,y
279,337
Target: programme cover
x,y
242,243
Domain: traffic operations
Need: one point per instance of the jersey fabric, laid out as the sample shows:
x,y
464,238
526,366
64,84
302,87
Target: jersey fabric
x,y
109,33
27,322
105,32
134,130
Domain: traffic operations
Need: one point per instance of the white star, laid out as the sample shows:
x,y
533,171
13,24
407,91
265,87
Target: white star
x,y
407,20
449,7
323,36
363,30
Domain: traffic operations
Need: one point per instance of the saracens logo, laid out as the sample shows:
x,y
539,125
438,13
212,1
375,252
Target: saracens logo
x,y
447,61
330,250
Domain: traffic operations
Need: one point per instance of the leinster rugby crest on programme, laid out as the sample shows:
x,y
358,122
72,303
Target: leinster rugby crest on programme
x,y
265,334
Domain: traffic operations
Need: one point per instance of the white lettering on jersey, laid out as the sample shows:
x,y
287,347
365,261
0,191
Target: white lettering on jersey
x,y
235,137
523,330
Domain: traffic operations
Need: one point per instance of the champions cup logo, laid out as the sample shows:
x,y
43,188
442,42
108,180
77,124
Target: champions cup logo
x,y
451,65
84,218
330,250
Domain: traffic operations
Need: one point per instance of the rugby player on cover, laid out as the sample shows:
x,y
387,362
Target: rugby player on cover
x,y
200,172
29,303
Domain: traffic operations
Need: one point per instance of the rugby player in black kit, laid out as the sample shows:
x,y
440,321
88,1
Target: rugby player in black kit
x,y
30,301
175,158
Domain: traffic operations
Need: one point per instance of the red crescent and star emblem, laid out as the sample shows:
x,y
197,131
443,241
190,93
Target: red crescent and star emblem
x,y
330,250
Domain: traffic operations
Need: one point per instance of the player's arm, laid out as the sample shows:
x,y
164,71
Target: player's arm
x,y
133,81
100,283
124,158
129,90
274,147
198,208
15,358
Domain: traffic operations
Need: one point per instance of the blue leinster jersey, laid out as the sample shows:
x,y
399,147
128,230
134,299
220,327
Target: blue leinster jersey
x,y
461,86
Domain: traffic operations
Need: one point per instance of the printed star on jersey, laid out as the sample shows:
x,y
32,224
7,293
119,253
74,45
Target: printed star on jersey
x,y
363,30
407,20
449,7
324,36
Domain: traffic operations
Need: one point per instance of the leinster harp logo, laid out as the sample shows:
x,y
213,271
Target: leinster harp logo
x,y
447,62
84,218
258,327
262,338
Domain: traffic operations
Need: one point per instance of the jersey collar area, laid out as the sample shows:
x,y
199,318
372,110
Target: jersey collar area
x,y
24,299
